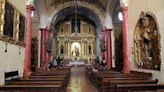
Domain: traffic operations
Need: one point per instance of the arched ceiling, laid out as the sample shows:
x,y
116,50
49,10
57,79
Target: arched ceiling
x,y
84,12
93,10
99,3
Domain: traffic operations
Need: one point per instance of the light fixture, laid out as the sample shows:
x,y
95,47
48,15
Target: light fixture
x,y
5,47
19,50
124,3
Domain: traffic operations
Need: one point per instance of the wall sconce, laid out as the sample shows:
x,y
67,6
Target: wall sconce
x,y
19,50
5,47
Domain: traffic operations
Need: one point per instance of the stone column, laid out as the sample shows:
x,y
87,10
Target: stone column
x,y
43,48
108,45
59,48
126,62
48,59
68,49
27,63
83,48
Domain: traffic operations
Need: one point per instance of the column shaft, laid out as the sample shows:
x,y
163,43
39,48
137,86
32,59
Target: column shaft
x,y
44,54
27,63
125,41
108,45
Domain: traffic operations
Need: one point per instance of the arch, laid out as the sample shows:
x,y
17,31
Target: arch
x,y
147,42
85,5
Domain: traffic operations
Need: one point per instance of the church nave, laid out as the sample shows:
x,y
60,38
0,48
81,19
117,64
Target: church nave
x,y
79,82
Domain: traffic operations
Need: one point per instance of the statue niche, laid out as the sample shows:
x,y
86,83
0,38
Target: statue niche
x,y
146,43
61,49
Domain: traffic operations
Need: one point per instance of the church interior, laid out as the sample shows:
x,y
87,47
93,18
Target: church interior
x,y
81,46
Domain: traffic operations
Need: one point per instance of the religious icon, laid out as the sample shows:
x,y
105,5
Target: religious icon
x,y
76,51
102,46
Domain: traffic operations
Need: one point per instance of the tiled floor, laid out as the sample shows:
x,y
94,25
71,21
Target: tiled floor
x,y
79,82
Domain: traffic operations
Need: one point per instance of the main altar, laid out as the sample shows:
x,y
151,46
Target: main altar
x,y
76,45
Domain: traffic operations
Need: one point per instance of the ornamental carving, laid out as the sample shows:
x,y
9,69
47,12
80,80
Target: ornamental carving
x,y
146,43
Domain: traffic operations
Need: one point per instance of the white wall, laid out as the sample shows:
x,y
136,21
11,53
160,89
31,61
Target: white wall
x,y
11,60
20,5
157,8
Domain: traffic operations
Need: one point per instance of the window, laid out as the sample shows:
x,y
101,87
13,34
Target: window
x,y
120,17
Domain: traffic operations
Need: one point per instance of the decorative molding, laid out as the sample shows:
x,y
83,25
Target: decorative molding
x,y
11,41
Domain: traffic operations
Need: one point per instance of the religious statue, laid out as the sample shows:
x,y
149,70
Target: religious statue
x,y
89,48
146,41
48,45
62,49
102,46
77,51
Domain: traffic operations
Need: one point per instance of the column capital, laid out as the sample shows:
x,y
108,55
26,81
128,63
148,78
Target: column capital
x,y
106,30
30,7
43,29
124,8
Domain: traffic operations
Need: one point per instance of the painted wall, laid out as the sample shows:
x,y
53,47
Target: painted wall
x,y
157,8
12,60
20,5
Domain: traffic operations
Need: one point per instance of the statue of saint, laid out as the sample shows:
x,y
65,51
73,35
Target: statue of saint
x,y
102,46
61,49
48,45
77,51
89,48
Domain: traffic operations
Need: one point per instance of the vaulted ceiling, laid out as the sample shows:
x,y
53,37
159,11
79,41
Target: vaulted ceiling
x,y
93,10
99,3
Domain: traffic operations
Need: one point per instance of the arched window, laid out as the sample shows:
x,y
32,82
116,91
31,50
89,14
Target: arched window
x,y
120,17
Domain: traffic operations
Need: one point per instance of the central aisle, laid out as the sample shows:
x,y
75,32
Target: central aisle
x,y
79,82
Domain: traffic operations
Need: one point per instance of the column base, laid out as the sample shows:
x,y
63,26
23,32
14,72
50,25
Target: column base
x,y
26,74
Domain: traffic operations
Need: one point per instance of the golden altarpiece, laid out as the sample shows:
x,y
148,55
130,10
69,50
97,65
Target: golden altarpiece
x,y
77,44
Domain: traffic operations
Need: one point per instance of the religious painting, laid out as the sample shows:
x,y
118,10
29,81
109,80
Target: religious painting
x,y
147,43
21,28
8,20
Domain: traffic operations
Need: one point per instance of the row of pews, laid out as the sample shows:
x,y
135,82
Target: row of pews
x,y
113,81
54,80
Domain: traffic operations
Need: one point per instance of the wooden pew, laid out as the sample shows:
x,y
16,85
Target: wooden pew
x,y
105,81
31,88
56,77
61,77
138,87
101,77
141,74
